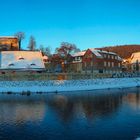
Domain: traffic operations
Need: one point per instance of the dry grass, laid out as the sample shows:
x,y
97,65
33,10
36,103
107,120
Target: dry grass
x,y
30,76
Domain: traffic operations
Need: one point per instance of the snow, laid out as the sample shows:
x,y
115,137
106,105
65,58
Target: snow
x,y
101,51
3,37
96,52
21,60
79,54
68,85
119,58
45,57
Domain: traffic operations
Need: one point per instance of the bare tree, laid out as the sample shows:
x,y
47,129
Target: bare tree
x,y
42,48
32,44
20,36
66,48
48,51
45,50
65,51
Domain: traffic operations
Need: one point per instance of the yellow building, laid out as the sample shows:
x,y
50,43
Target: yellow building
x,y
9,43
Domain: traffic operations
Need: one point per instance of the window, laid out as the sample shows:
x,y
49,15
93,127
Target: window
x,y
90,63
116,57
112,56
108,64
77,58
32,64
11,64
85,64
119,65
104,55
104,63
108,56
101,71
112,64
21,58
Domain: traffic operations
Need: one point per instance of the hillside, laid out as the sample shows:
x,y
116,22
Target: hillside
x,y
123,51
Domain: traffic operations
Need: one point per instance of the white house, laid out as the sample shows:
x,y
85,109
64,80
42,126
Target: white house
x,y
21,60
135,61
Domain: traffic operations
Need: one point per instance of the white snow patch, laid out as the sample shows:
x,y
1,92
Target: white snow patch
x,y
68,85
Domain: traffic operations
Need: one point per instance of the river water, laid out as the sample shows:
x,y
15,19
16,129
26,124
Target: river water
x,y
98,115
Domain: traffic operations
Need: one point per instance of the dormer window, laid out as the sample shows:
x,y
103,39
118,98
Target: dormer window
x,y
11,64
21,58
116,57
33,64
78,58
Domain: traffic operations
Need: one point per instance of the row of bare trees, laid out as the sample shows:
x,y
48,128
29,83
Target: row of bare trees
x,y
63,51
32,42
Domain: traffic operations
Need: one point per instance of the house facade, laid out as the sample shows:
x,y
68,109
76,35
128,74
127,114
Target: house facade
x,y
9,43
99,61
135,62
77,62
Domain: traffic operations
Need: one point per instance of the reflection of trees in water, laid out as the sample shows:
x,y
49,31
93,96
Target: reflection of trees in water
x,y
101,106
63,106
21,111
133,99
88,105
66,106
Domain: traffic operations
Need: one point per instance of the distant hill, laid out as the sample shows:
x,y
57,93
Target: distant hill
x,y
124,51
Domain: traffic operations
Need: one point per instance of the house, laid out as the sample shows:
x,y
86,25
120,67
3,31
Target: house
x,y
21,60
126,65
77,61
99,61
135,62
10,43
54,63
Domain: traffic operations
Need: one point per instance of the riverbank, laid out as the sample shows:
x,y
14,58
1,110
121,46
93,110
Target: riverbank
x,y
55,86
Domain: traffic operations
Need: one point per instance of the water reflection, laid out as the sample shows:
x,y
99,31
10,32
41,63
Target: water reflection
x,y
14,111
68,115
66,106
133,99
88,106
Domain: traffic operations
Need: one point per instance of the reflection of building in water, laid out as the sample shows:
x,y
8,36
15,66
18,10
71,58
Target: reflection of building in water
x,y
85,106
133,99
21,112
62,106
9,43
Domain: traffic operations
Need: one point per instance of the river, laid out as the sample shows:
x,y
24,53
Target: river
x,y
98,115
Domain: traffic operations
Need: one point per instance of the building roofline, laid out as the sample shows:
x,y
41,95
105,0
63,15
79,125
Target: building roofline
x,y
8,37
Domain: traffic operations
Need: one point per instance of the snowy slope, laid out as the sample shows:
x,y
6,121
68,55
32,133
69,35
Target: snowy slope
x,y
68,85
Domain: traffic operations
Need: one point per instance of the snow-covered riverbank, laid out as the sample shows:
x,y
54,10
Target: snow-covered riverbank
x,y
68,85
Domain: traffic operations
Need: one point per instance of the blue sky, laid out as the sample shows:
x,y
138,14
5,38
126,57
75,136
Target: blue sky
x,y
87,23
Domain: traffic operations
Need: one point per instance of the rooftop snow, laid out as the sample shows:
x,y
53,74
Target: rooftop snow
x,y
45,57
21,60
1,37
96,52
79,54
100,51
